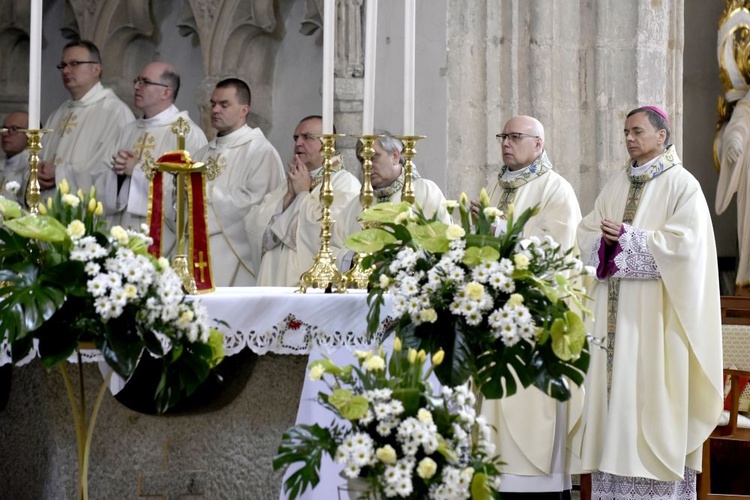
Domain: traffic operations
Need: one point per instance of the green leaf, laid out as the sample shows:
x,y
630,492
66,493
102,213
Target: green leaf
x,y
350,407
304,444
38,227
568,336
384,212
216,343
369,240
474,256
9,208
480,488
122,346
430,237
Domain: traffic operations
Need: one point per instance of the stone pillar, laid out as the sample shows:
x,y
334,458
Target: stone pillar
x,y
577,66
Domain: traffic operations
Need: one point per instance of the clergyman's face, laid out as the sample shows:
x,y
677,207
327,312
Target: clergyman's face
x,y
80,78
227,114
521,146
307,145
14,141
643,140
385,167
149,94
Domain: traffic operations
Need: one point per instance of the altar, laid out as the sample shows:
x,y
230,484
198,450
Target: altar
x,y
221,451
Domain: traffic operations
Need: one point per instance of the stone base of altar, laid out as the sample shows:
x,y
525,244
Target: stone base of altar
x,y
225,453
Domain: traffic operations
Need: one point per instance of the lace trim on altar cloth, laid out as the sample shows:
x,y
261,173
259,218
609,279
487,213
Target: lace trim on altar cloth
x,y
610,487
87,355
635,260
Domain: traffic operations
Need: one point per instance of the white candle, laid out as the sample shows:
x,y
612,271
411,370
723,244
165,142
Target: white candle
x,y
409,63
35,63
329,29
370,51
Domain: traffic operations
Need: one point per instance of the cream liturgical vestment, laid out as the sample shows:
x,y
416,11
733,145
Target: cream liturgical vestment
x,y
15,168
534,431
126,199
734,177
288,240
82,131
663,331
248,168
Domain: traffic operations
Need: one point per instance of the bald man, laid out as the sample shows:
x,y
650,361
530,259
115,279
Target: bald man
x,y
538,462
121,182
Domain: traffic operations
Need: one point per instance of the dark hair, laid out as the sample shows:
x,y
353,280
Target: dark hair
x,y
316,117
657,120
242,89
93,50
172,78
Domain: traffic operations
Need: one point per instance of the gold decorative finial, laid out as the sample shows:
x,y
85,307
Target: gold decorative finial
x,y
180,128
324,274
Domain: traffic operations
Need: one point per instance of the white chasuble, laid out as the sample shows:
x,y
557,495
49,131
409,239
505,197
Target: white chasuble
x,y
534,431
666,373
126,200
15,169
288,240
249,168
82,132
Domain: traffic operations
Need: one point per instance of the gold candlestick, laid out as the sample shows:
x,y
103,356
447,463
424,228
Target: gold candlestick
x,y
357,276
323,273
409,152
34,145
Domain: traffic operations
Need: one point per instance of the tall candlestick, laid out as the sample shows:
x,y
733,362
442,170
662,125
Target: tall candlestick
x,y
370,51
329,30
35,63
409,63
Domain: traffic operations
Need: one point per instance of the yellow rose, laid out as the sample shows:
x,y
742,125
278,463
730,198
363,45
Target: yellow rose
x,y
515,299
521,261
316,372
428,315
75,229
375,363
474,290
386,454
118,233
426,468
454,232
163,263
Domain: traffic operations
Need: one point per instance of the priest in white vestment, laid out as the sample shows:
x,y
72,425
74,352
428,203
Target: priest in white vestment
x,y
284,228
387,179
534,431
84,126
121,182
733,148
14,168
248,167
654,394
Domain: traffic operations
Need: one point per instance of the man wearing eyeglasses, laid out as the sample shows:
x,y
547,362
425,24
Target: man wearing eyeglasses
x,y
538,463
14,168
83,126
284,228
121,183
247,167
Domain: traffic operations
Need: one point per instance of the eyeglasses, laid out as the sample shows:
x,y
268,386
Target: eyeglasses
x,y
73,64
305,137
145,81
514,137
12,130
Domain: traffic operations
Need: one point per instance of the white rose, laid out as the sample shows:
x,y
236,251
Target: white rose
x,y
316,372
76,230
71,200
374,363
454,232
426,468
119,234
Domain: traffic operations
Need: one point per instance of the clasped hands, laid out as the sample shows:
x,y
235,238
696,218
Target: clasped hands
x,y
610,231
298,180
124,162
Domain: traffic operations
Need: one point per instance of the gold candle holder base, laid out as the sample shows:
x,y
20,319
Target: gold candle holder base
x,y
358,276
33,191
180,266
409,152
324,274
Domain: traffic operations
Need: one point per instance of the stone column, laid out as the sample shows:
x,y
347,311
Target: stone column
x,y
577,66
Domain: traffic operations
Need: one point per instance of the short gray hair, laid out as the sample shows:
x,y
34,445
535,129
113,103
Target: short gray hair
x,y
389,143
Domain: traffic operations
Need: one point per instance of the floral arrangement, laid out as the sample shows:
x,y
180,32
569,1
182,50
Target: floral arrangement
x,y
498,306
64,281
394,433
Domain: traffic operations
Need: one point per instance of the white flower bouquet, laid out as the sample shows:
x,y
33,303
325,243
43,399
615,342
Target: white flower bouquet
x,y
500,307
65,281
396,435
